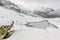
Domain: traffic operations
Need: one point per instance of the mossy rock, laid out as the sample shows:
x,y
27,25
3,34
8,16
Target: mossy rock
x,y
3,31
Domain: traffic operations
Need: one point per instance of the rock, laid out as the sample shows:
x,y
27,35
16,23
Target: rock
x,y
4,29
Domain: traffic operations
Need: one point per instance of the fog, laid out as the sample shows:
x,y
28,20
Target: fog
x,y
38,3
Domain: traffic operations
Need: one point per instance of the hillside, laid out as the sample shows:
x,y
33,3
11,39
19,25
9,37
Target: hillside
x,y
37,28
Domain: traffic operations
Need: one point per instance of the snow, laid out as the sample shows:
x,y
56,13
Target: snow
x,y
36,34
43,12
5,22
42,25
27,33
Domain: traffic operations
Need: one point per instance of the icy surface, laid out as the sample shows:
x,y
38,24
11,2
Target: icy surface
x,y
42,25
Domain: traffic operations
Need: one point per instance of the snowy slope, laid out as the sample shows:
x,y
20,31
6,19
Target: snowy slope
x,y
41,11
26,33
36,34
23,32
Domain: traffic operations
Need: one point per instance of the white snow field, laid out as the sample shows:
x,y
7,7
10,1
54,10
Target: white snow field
x,y
27,33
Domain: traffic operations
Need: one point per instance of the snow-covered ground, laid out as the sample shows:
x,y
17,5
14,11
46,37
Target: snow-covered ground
x,y
27,33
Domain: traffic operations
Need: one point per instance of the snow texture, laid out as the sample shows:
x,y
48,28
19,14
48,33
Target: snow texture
x,y
22,32
42,25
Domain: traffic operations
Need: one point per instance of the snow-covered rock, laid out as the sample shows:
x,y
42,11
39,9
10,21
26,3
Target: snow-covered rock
x,y
9,5
47,13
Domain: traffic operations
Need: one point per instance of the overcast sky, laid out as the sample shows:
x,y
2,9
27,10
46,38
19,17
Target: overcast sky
x,y
39,3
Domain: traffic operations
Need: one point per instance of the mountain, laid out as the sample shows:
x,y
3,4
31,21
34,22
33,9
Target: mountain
x,y
43,12
47,13
22,32
9,5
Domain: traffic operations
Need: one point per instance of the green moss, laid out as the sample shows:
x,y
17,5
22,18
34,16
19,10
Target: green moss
x,y
3,30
